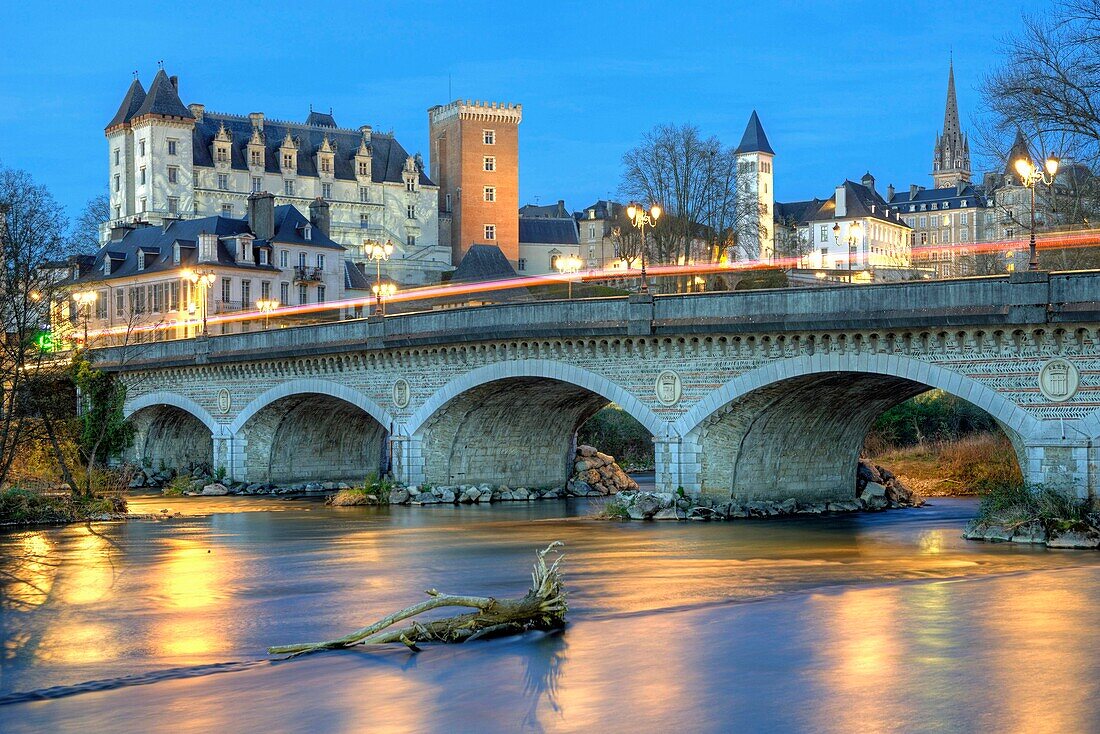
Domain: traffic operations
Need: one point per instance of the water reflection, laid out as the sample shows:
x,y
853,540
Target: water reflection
x,y
194,585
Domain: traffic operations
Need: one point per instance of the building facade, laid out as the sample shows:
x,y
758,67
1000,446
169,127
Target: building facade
x,y
542,240
169,161
474,158
881,241
756,192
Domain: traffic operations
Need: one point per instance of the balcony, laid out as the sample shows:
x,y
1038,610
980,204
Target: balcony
x,y
306,274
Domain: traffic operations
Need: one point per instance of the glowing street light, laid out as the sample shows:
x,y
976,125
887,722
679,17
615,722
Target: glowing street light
x,y
855,231
378,252
84,301
640,218
1032,175
202,279
568,265
266,306
381,292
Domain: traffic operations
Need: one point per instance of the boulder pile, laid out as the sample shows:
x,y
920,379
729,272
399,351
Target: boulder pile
x,y
596,474
878,488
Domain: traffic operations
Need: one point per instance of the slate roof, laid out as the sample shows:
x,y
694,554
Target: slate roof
x,y
798,212
387,160
354,278
161,241
163,99
859,201
131,103
972,194
320,119
754,140
548,231
604,210
549,211
482,262
1019,150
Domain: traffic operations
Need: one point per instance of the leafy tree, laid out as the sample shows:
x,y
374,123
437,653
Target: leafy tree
x,y
104,430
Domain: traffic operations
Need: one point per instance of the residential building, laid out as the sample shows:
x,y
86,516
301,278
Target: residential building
x,y
474,158
600,229
168,161
946,225
542,240
141,275
880,241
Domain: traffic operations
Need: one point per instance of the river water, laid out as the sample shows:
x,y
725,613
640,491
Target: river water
x,y
884,622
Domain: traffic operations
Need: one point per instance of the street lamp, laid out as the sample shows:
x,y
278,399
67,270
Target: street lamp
x,y
84,301
639,218
1032,175
378,252
855,230
381,292
202,279
266,306
568,265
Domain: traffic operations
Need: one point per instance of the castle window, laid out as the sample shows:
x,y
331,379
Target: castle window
x,y
364,169
223,154
490,163
173,204
118,156
144,203
118,212
326,191
490,193
410,240
410,210
522,264
410,185
489,137
257,184
257,159
364,221
173,174
490,231
364,194
172,147
947,220
120,302
227,210
141,148
118,182
141,175
326,166
263,261
223,181
288,187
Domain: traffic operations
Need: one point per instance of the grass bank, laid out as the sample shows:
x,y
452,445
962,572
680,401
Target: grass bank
x,y
976,464
20,506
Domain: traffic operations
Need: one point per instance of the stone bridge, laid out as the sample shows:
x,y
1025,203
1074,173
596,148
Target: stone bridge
x,y
760,394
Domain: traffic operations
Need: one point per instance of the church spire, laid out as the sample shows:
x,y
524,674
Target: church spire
x,y
951,156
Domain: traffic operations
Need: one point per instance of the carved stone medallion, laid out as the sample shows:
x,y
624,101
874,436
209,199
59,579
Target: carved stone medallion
x,y
1059,380
401,393
668,388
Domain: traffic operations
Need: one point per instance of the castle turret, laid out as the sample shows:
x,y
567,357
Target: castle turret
x,y
754,178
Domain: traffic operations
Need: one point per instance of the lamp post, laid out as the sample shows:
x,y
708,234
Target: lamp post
x,y
266,306
568,265
640,218
202,279
381,292
378,252
855,229
84,301
1032,175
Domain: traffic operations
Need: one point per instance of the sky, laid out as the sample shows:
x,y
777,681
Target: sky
x,y
841,87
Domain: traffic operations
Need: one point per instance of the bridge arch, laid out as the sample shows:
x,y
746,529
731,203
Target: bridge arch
x,y
799,423
171,431
311,430
513,423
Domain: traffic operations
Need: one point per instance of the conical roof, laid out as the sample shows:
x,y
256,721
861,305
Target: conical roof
x,y
1019,150
133,100
163,99
754,140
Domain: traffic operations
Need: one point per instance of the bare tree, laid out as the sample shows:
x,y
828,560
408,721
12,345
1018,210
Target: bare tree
x,y
84,234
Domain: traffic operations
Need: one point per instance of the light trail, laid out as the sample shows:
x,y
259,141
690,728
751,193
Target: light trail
x,y
1060,240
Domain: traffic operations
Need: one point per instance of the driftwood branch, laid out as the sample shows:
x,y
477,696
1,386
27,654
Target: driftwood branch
x,y
543,607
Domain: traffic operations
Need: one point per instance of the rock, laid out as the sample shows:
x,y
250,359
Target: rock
x,y
666,514
399,496
843,506
997,534
1030,533
485,496
214,490
788,506
647,505
447,496
667,498
521,494
702,513
605,459
137,481
506,495
586,451
1075,539
425,498
873,497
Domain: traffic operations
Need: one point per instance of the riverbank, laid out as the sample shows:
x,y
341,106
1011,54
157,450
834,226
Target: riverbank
x,y
20,506
972,465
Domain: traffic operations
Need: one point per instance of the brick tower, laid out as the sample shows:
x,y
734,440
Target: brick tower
x,y
475,161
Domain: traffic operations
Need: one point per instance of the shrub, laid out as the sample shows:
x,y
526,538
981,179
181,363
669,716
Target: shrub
x,y
179,484
23,506
352,498
1013,506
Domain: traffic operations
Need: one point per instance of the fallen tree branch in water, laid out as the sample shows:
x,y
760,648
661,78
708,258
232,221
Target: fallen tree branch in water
x,y
543,607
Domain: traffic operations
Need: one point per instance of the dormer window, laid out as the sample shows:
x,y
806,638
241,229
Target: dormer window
x,y
176,253
140,260
307,232
364,168
263,257
107,265
257,158
326,165
223,154
288,160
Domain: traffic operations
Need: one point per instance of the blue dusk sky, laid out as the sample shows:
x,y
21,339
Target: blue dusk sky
x,y
841,87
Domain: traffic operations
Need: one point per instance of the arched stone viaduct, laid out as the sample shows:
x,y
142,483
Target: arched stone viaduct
x,y
764,394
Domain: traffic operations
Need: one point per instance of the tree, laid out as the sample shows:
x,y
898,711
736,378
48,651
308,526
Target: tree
x,y
1048,87
697,183
84,234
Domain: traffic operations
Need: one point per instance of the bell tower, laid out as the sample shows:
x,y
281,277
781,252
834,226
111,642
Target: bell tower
x,y
951,156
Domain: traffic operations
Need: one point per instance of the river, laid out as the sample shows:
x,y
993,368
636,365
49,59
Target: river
x,y
878,622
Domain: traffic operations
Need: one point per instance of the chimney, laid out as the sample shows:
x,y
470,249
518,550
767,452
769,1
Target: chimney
x,y
119,231
959,186
319,215
561,207
890,192
868,180
365,131
197,111
261,215
175,83
841,202
913,189
257,119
